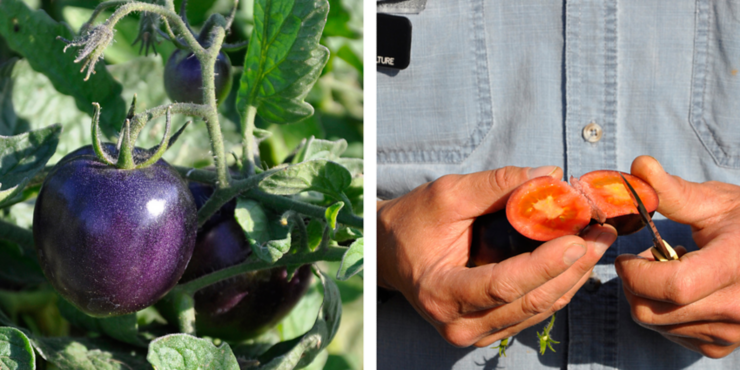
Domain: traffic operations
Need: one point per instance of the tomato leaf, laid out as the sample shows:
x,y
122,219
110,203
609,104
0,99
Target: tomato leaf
x,y
124,328
352,261
183,351
301,351
82,353
321,149
19,266
9,196
319,175
36,104
33,35
337,23
284,59
15,350
353,165
331,216
268,239
315,230
88,354
301,318
22,156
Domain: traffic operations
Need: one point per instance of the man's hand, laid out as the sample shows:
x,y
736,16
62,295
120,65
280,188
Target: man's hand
x,y
424,244
694,301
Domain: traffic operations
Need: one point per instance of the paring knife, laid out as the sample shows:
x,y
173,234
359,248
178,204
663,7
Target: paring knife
x,y
661,250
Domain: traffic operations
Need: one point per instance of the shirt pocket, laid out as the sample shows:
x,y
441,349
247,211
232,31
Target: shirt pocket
x,y
438,110
715,96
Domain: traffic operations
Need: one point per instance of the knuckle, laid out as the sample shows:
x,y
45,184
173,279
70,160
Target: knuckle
x,y
641,315
457,336
533,305
679,290
504,292
439,190
724,335
432,308
715,351
560,304
505,178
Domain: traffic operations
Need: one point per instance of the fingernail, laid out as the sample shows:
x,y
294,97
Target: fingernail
x,y
574,252
541,171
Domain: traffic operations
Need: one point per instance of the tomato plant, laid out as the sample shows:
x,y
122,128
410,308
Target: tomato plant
x,y
281,148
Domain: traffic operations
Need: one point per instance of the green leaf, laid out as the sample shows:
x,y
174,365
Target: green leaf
x,y
124,328
348,55
197,11
22,156
36,104
301,351
19,266
345,233
353,260
284,59
33,35
10,196
183,351
253,348
318,175
337,23
315,231
301,318
16,352
88,354
10,124
321,149
269,240
331,214
354,165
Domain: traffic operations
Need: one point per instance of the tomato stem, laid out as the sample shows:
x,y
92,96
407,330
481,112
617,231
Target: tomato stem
x,y
276,202
97,145
248,141
253,263
126,154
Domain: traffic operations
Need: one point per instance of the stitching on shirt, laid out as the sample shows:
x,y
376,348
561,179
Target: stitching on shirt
x,y
700,86
610,81
484,121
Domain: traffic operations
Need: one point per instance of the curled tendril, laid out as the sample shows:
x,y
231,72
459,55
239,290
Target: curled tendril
x,y
93,44
148,32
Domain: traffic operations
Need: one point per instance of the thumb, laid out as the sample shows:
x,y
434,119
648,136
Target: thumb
x,y
680,200
485,192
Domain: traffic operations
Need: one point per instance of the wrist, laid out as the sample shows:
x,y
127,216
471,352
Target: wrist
x,y
383,246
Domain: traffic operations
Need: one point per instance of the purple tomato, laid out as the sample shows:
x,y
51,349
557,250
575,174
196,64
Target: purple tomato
x,y
183,80
246,305
113,241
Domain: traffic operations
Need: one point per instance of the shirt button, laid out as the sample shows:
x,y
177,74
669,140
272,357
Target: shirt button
x,y
592,132
593,283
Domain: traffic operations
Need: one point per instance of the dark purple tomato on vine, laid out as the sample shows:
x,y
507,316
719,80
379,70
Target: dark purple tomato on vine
x,y
246,305
183,81
113,241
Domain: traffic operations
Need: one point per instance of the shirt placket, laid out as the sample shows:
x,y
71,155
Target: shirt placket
x,y
590,59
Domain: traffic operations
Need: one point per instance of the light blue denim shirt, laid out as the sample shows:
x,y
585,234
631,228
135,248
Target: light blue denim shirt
x,y
499,82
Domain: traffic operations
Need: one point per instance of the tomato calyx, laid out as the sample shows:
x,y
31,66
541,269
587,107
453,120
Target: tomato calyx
x,y
126,157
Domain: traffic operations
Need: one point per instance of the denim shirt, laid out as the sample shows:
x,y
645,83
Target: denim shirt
x,y
498,82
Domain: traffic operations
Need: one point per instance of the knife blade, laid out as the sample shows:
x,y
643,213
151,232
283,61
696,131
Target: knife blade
x,y
662,251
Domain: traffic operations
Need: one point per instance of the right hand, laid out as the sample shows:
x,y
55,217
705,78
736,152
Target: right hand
x,y
424,245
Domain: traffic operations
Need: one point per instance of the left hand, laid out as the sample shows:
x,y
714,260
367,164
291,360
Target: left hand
x,y
694,301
